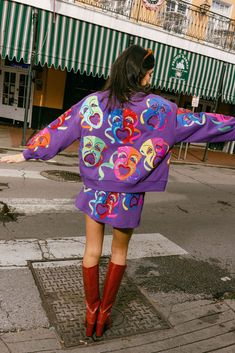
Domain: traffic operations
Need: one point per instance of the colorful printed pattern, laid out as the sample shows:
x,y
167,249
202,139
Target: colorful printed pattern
x,y
92,148
111,207
109,149
153,150
221,121
189,119
122,124
91,114
58,124
42,139
155,117
126,160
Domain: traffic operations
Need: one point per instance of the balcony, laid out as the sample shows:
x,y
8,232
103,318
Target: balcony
x,y
189,21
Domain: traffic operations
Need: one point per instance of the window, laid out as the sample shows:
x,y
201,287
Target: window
x,y
218,25
176,6
122,7
175,17
221,8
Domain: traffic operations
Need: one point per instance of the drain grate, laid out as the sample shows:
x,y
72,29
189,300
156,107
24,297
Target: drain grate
x,y
61,288
61,175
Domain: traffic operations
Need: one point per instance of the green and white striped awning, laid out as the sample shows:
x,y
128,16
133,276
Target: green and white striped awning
x,y
203,74
62,41
15,30
72,44
228,91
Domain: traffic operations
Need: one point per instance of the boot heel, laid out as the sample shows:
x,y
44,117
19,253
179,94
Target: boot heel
x,y
104,324
99,330
89,329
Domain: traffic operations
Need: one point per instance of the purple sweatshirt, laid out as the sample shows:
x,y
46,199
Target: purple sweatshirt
x,y
127,149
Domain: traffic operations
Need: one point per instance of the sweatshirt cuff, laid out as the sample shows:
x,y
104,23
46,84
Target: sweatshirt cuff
x,y
27,154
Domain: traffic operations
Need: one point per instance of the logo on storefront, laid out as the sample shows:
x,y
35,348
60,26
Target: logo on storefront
x,y
179,67
152,4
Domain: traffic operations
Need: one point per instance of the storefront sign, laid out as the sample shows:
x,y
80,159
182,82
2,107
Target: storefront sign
x,y
152,4
179,68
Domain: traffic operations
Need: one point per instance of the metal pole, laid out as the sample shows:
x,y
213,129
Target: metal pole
x,y
29,81
204,159
232,144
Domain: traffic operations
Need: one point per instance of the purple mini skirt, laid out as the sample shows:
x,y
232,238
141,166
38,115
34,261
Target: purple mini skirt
x,y
120,210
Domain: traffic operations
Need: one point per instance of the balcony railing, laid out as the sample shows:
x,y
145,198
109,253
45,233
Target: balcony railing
x,y
179,17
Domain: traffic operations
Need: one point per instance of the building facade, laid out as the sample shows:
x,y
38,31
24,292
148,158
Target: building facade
x,y
71,45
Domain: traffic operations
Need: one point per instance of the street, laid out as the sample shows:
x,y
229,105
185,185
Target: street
x,y
196,211
182,252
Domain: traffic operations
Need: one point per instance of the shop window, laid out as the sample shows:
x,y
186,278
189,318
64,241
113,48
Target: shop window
x,y
9,83
22,91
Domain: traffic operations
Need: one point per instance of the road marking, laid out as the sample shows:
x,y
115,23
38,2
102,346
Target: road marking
x,y
38,205
16,253
13,173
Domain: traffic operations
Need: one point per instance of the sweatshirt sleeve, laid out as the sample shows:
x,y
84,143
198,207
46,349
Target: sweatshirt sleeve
x,y
204,127
58,135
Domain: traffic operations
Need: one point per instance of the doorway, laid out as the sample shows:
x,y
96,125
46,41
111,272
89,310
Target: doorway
x,y
13,83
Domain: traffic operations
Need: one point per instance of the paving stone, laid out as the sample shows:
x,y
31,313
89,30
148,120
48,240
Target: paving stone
x,y
39,333
189,305
231,304
200,311
221,341
34,345
21,307
230,349
3,347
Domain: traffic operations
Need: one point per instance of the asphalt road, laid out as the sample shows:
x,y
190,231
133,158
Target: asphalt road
x,y
196,211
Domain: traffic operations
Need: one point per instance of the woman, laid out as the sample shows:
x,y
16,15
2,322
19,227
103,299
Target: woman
x,y
126,135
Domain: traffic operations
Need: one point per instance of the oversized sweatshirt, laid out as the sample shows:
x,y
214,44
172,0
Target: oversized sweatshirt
x,y
127,149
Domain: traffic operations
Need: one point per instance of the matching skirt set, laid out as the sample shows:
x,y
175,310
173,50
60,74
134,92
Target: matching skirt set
x,y
120,210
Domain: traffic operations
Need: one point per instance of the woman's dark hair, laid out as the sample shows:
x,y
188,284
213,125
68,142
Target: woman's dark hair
x,y
127,72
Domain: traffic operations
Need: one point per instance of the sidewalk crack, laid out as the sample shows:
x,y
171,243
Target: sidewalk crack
x,y
46,254
4,343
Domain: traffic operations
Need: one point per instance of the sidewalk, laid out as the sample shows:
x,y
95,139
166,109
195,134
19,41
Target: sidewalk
x,y
11,137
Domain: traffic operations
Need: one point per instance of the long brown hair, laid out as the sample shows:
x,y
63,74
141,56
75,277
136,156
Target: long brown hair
x,y
126,74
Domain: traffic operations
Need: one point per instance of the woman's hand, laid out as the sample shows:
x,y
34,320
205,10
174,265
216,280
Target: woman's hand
x,y
14,158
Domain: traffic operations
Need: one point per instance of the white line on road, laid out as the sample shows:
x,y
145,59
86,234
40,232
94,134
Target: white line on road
x,y
16,253
38,205
13,173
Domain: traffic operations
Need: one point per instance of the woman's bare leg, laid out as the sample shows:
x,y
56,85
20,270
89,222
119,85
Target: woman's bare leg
x,y
94,242
120,243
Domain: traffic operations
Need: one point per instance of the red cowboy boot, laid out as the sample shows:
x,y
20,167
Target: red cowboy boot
x,y
92,296
112,283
